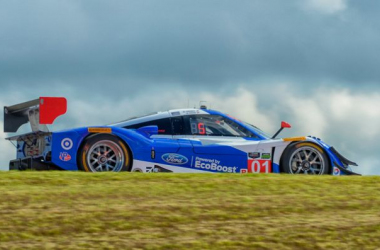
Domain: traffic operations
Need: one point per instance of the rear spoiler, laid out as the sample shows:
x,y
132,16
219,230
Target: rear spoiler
x,y
38,112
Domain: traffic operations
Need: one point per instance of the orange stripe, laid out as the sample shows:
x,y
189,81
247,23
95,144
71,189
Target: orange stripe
x,y
84,162
310,145
295,139
126,153
100,130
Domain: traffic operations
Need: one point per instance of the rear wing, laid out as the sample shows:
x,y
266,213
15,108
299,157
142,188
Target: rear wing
x,y
38,112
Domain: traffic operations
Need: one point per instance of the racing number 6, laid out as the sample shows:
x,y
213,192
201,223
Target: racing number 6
x,y
201,128
256,166
198,129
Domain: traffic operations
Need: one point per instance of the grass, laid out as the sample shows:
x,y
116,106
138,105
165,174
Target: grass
x,y
69,210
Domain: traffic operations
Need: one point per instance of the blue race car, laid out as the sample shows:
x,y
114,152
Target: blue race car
x,y
181,141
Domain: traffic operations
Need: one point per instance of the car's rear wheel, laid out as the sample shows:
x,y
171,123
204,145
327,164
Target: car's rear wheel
x,y
305,158
104,153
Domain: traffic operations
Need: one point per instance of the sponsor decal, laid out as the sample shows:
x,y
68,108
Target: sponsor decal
x,y
336,171
265,156
259,166
148,169
152,153
159,169
213,164
254,155
190,112
64,156
100,130
67,144
176,113
174,159
243,171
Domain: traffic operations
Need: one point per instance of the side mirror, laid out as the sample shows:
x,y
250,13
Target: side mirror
x,y
283,125
148,131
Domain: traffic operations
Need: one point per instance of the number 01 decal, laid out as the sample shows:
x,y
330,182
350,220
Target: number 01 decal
x,y
259,166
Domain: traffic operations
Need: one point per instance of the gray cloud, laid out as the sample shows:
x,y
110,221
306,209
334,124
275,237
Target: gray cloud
x,y
185,42
342,118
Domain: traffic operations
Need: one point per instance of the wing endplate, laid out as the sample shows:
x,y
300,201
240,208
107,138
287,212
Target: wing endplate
x,y
38,112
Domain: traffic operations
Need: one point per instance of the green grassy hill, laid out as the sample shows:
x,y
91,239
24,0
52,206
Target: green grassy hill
x,y
68,210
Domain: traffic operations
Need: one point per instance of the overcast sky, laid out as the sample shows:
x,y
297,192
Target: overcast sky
x,y
313,63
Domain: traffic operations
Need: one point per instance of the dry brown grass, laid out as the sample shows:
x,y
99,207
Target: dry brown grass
x,y
68,210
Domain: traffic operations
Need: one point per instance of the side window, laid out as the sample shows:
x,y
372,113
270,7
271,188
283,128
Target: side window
x,y
164,126
177,123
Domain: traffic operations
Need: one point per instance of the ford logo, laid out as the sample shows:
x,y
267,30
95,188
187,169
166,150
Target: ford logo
x,y
174,159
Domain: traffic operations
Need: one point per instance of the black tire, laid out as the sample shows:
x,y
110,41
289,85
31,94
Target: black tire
x,y
103,152
304,158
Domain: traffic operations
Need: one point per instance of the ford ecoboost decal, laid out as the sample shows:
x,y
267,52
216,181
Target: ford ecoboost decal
x,y
174,159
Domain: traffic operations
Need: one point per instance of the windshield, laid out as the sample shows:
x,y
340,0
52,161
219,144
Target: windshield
x,y
215,125
257,130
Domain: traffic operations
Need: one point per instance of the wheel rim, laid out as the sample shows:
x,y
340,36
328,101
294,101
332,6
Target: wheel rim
x,y
105,156
307,160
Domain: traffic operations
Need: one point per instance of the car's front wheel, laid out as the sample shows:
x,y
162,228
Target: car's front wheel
x,y
304,158
104,153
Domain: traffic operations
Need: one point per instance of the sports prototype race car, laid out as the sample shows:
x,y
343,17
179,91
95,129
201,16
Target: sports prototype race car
x,y
182,141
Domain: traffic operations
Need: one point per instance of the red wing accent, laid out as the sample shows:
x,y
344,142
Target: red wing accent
x,y
51,108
